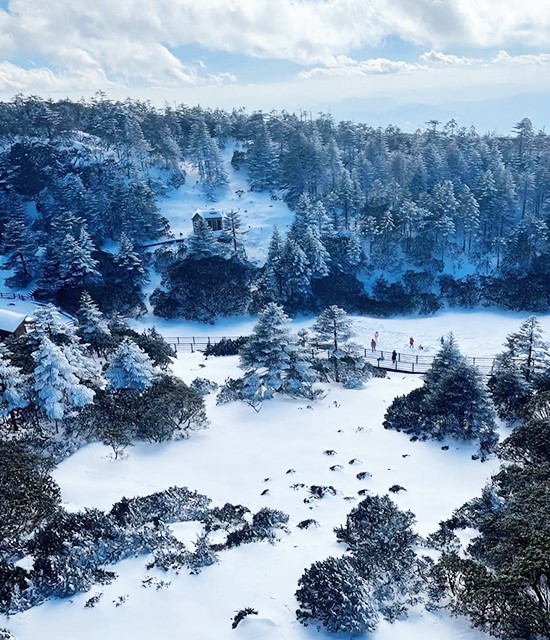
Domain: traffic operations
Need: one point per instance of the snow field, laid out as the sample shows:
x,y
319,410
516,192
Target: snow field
x,y
242,454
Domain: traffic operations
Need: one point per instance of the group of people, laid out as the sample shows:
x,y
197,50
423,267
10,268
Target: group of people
x,y
394,354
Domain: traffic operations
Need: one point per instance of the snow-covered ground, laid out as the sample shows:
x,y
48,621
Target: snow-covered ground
x,y
242,454
478,333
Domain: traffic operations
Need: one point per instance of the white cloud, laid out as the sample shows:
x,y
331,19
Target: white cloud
x,y
41,79
374,66
134,42
444,59
527,59
306,32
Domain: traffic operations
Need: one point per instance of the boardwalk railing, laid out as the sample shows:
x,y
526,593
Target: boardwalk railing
x,y
405,362
15,296
192,343
413,363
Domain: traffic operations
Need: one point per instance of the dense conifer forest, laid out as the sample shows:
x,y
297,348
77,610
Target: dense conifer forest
x,y
385,221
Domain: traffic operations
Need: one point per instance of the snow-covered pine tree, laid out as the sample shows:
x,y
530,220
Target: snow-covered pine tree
x,y
58,390
130,368
92,326
527,347
454,402
269,286
332,330
274,361
14,390
202,243
130,263
261,159
233,234
509,389
68,261
48,322
19,246
268,348
296,274
206,158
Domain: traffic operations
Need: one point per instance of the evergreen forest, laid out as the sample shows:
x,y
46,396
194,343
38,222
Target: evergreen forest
x,y
384,221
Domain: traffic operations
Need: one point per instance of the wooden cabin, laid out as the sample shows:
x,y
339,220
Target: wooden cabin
x,y
12,324
213,218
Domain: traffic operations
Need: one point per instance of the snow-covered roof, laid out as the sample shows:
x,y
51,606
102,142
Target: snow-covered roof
x,y
9,320
208,214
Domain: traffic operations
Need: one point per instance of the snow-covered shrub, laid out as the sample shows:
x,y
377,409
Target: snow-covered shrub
x,y
380,577
173,555
14,584
333,593
170,409
306,524
264,526
176,504
225,347
249,390
320,491
228,516
240,616
203,386
379,532
203,555
70,551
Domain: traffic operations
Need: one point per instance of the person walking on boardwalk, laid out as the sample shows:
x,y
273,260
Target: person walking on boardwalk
x,y
394,356
373,345
411,342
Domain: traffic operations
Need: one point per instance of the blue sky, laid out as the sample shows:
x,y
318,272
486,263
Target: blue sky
x,y
485,62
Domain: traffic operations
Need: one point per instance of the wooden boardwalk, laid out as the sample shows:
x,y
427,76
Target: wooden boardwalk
x,y
406,362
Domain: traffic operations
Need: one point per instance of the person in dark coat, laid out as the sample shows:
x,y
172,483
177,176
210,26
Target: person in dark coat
x,y
373,345
394,356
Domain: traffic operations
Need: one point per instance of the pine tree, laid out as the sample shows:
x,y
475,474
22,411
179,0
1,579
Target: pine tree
x,y
296,274
77,267
18,241
130,263
274,361
453,402
509,389
261,159
202,243
92,326
49,323
271,282
130,368
58,389
333,326
527,347
206,158
233,234
268,347
14,390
